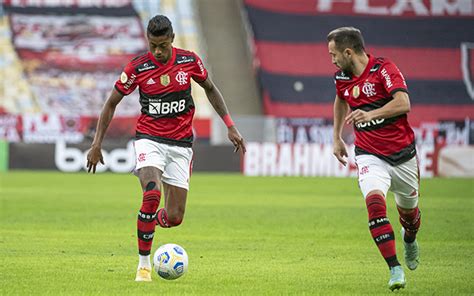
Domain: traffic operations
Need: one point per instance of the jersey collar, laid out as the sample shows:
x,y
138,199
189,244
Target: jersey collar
x,y
369,65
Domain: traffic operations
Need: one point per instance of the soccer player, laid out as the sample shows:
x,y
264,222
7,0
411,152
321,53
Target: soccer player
x,y
163,131
376,93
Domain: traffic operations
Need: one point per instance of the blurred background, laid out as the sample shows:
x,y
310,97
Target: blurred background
x,y
59,61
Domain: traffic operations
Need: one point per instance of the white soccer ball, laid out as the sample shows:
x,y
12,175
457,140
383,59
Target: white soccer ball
x,y
171,261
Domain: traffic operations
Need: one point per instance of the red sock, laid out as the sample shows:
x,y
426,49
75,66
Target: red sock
x,y
411,222
163,221
146,221
380,228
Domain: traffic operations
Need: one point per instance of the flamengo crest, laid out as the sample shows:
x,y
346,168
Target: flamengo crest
x,y
182,77
369,89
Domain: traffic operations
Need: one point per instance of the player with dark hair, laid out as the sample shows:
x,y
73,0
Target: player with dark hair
x,y
376,93
164,133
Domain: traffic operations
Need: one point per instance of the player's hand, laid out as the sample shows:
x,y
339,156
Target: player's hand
x,y
93,158
358,116
237,140
339,150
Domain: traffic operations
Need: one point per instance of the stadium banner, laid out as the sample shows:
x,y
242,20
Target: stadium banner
x,y
317,160
437,67
118,157
395,8
66,3
53,127
304,148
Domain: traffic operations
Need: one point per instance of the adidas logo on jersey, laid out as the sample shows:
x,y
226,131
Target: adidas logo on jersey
x,y
150,81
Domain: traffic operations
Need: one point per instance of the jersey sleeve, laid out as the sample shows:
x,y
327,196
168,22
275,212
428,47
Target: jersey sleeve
x,y
199,72
392,78
127,81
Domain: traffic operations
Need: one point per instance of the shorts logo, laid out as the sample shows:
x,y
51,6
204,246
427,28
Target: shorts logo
x,y
364,170
182,78
141,157
165,79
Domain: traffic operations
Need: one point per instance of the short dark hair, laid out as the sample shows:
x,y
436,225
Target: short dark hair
x,y
160,25
347,37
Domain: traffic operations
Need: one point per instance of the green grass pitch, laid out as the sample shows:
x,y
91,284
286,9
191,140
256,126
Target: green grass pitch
x,y
75,234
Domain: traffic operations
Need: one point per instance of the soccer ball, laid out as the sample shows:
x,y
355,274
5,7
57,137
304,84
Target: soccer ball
x,y
171,261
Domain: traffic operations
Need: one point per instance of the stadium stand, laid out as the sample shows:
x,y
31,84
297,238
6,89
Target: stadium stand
x,y
228,55
14,89
424,40
60,62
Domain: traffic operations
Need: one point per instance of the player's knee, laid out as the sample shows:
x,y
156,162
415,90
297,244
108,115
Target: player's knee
x,y
410,219
404,211
376,206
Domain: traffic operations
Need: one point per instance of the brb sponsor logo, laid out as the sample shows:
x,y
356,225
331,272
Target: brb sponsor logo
x,y
70,159
157,107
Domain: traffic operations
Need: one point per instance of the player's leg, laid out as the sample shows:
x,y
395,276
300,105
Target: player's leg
x,y
374,182
176,184
406,189
172,214
150,158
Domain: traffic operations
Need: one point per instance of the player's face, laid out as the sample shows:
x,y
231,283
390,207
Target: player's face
x,y
161,47
338,58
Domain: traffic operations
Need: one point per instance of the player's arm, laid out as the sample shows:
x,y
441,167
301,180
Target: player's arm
x,y
339,147
400,104
95,155
217,101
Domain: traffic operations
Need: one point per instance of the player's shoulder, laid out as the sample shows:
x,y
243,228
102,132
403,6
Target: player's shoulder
x,y
141,63
139,58
184,56
378,63
382,61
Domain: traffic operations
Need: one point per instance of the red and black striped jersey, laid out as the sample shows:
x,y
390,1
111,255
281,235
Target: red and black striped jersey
x,y
167,107
390,139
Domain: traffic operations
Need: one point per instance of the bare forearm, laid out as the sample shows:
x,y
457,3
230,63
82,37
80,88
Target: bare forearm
x,y
340,111
399,105
104,121
106,117
217,101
